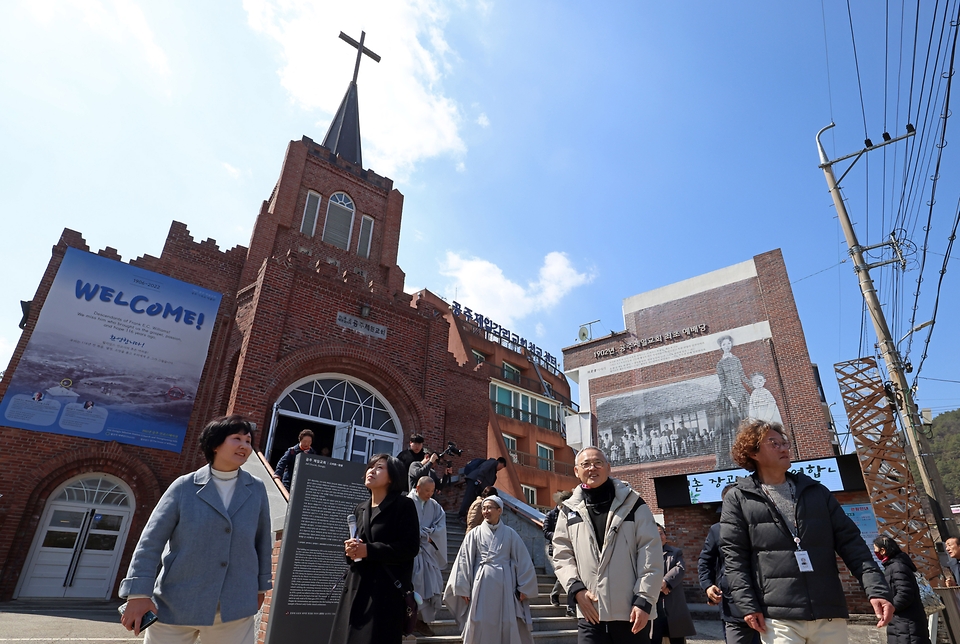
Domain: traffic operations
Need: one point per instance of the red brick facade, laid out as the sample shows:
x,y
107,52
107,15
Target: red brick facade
x,y
740,297
277,325
782,357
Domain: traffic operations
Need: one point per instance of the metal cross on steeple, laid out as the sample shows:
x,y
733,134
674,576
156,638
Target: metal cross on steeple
x,y
360,51
343,135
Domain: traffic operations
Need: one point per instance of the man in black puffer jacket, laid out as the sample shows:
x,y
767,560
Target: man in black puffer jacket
x,y
781,533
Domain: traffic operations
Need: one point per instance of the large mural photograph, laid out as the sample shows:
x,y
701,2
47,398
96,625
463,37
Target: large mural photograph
x,y
116,355
691,418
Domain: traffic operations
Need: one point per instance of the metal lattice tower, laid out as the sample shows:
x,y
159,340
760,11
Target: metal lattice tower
x,y
883,460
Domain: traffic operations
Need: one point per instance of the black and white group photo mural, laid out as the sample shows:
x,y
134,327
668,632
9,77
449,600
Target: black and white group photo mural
x,y
690,418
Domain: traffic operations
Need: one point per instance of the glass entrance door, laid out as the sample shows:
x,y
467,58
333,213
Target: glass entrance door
x,y
77,547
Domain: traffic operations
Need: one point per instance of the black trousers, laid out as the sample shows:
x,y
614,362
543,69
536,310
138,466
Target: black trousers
x,y
740,633
471,490
610,633
660,630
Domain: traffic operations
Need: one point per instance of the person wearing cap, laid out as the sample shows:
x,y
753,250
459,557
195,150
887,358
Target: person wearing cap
x,y
412,455
491,583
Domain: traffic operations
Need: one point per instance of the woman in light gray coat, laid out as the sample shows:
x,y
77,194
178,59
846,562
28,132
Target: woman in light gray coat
x,y
211,534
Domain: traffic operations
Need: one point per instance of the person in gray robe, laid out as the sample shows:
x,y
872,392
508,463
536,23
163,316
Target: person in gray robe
x,y
491,583
432,558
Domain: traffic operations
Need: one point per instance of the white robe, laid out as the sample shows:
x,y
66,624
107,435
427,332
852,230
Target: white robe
x,y
492,566
432,558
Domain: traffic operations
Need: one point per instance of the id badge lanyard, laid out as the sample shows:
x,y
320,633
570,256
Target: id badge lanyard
x,y
801,555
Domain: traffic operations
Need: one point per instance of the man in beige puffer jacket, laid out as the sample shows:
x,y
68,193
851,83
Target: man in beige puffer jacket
x,y
607,554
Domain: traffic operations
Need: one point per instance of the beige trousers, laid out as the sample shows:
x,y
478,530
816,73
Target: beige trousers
x,y
239,631
794,631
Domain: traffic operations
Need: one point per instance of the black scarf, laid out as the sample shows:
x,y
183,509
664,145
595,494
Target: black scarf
x,y
598,501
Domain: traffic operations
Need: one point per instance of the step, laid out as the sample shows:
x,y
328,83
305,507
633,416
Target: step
x,y
444,627
536,611
566,636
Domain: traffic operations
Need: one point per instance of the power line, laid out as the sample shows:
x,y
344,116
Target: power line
x,y
856,62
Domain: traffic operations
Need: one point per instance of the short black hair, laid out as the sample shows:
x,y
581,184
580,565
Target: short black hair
x,y
398,480
219,428
489,491
306,432
502,460
416,438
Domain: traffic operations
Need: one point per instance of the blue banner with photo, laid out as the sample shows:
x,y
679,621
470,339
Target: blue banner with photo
x,y
116,355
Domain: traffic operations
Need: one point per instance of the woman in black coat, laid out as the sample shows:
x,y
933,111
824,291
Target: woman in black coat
x,y
673,621
909,623
372,609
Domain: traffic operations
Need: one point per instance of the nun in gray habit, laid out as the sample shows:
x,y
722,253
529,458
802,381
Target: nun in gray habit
x,y
491,583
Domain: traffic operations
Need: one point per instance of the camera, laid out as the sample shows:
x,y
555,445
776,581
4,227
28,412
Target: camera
x,y
452,450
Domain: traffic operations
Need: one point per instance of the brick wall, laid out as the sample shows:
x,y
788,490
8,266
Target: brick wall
x,y
276,325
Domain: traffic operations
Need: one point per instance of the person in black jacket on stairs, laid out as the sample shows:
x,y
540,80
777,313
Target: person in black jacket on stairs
x,y
909,623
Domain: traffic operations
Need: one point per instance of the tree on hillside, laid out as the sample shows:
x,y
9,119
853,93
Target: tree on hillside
x,y
945,445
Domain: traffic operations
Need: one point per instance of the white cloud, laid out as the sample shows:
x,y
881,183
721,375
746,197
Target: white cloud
x,y
483,287
483,121
540,330
233,172
461,166
122,21
405,116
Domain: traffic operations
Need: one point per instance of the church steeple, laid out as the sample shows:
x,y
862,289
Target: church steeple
x,y
343,135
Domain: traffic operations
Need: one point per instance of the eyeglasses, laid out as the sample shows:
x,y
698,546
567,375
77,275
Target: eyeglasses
x,y
778,445
592,465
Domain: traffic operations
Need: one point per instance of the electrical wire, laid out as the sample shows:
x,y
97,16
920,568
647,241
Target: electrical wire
x,y
856,62
826,53
936,301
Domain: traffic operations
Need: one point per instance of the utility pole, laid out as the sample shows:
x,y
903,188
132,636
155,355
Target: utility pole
x,y
888,347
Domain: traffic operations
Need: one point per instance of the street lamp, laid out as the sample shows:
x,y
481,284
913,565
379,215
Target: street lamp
x,y
914,330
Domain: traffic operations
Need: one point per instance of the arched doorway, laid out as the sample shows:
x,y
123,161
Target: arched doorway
x,y
77,546
348,416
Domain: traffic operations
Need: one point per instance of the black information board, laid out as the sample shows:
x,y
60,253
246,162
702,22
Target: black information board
x,y
323,492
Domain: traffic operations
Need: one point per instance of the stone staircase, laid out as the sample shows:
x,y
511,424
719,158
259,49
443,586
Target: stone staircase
x,y
550,623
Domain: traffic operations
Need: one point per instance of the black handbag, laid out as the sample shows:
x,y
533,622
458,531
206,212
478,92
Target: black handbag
x,y
409,620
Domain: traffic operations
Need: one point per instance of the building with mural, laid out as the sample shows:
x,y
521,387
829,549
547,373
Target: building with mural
x,y
663,397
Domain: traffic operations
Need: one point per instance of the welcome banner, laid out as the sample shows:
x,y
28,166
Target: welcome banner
x,y
116,355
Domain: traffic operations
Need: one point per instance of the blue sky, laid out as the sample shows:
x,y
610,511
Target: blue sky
x,y
555,157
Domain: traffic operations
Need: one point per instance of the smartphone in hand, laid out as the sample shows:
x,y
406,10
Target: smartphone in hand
x,y
148,618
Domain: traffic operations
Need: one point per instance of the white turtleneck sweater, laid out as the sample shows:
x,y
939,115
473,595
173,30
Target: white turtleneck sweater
x,y
226,483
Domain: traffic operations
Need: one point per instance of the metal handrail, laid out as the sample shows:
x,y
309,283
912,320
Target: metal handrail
x,y
540,463
528,417
530,384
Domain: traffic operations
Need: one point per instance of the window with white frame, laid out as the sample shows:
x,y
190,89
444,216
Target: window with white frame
x,y
479,357
527,408
511,444
309,224
366,236
339,223
544,457
510,372
529,494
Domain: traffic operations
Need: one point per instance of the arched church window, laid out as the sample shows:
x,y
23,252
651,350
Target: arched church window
x,y
95,490
340,401
339,222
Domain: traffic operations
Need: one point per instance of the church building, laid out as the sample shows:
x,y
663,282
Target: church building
x,y
307,328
